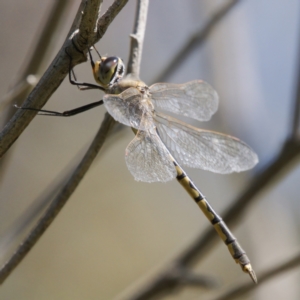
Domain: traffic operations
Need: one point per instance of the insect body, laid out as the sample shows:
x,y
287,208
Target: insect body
x,y
163,143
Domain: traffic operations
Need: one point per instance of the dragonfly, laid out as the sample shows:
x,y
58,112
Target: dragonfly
x,y
163,143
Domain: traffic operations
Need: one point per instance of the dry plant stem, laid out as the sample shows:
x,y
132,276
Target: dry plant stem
x,y
60,200
52,79
195,41
137,38
263,276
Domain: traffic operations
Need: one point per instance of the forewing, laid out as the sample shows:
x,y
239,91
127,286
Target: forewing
x,y
148,159
208,150
125,107
195,99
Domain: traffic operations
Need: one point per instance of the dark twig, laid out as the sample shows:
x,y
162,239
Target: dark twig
x,y
137,38
59,201
264,276
195,41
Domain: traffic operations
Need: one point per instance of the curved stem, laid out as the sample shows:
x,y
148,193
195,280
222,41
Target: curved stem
x,y
137,38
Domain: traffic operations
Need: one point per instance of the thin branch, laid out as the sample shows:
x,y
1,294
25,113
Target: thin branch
x,y
264,276
195,41
137,38
59,201
50,81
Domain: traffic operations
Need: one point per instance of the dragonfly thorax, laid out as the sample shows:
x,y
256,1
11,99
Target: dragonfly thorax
x,y
108,71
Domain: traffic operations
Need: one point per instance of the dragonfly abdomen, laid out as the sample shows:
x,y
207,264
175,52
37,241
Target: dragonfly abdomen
x,y
236,251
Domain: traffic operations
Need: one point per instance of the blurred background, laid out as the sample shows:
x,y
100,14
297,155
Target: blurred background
x,y
114,232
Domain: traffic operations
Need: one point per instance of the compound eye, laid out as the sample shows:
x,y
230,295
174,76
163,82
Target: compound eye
x,y
109,64
107,69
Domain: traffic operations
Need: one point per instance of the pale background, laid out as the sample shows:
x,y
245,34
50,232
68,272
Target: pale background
x,y
115,231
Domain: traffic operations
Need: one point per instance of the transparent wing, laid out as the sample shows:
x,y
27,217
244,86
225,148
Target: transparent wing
x,y
148,159
195,99
208,150
127,109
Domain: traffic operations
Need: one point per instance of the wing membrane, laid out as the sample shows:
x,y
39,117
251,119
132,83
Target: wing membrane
x,y
208,150
127,109
195,99
148,159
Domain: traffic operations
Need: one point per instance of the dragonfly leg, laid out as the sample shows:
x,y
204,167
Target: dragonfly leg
x,y
67,113
97,51
223,231
81,85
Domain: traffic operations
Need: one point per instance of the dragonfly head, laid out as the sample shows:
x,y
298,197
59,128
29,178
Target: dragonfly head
x,y
108,70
